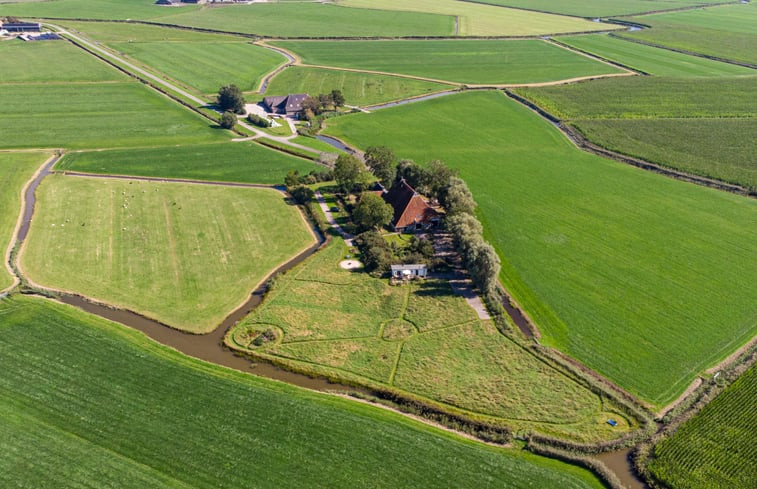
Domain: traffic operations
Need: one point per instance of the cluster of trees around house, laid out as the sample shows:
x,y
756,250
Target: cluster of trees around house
x,y
324,102
378,255
297,185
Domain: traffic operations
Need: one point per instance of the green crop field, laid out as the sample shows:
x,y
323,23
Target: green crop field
x,y
90,9
654,61
704,127
15,170
51,62
646,279
358,88
87,402
315,20
599,8
119,32
473,61
421,339
715,448
475,19
206,66
726,32
226,162
184,254
97,115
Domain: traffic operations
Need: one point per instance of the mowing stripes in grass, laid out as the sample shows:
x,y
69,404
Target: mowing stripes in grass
x,y
473,62
184,254
90,9
87,403
599,8
646,279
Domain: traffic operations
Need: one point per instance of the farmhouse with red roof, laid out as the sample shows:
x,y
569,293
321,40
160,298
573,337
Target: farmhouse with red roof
x,y
411,212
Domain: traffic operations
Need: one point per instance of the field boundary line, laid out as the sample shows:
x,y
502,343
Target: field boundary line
x,y
597,57
695,384
681,9
732,357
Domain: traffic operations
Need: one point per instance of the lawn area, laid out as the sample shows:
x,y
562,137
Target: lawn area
x,y
715,448
98,115
420,339
53,61
90,9
184,254
15,170
297,19
87,402
475,19
598,8
727,32
206,66
358,88
703,126
643,278
241,162
472,61
654,61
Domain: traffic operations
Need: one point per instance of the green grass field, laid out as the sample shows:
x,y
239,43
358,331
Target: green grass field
x,y
206,67
645,279
715,448
474,62
15,170
87,402
225,162
119,32
654,61
91,9
421,339
184,254
51,62
98,115
726,32
475,19
315,20
598,8
358,88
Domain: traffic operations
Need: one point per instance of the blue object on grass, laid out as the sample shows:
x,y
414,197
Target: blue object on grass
x,y
612,422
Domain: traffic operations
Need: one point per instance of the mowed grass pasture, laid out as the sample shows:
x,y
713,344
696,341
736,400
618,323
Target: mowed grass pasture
x,y
470,61
651,60
645,279
15,170
475,19
86,401
727,32
420,339
246,162
90,9
184,254
703,126
716,447
598,8
358,88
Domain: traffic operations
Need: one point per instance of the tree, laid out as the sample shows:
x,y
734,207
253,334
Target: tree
x,y
337,98
227,120
372,212
347,171
311,105
374,252
457,198
383,163
230,98
438,176
302,194
484,267
292,179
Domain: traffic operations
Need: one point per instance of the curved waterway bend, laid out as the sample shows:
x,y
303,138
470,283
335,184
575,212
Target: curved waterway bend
x,y
208,347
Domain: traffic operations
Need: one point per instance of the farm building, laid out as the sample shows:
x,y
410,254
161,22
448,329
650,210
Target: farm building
x,y
408,272
290,105
21,26
411,212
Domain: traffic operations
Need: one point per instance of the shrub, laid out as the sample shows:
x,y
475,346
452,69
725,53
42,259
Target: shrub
x,y
258,121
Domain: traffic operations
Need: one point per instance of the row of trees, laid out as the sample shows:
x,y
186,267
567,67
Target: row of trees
x,y
324,102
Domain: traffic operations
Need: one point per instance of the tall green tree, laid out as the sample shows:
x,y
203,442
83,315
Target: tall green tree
x,y
230,98
383,163
347,172
227,120
457,198
372,212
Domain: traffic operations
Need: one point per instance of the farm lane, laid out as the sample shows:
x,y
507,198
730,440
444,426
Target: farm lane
x,y
330,219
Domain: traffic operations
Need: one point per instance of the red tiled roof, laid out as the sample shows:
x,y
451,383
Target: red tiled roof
x,y
409,207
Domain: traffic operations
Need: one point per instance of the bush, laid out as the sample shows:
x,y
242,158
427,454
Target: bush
x,y
230,98
227,120
258,121
302,194
375,252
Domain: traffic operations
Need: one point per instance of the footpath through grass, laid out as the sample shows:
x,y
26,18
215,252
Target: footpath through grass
x,y
420,339
15,170
87,402
473,61
645,279
715,448
184,254
225,162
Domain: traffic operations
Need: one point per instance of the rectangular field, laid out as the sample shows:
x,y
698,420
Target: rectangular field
x,y
358,88
279,20
239,162
654,61
598,8
90,9
471,61
716,447
118,32
475,19
184,254
78,389
645,279
98,115
15,170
